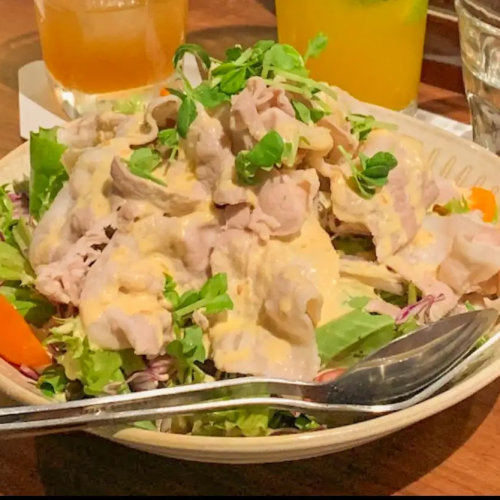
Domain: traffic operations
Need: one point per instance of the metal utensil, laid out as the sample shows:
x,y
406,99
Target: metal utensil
x,y
416,366
405,366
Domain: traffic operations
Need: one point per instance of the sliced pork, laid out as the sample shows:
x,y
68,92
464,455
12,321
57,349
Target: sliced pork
x,y
250,121
395,213
181,194
208,148
453,256
84,201
122,304
281,292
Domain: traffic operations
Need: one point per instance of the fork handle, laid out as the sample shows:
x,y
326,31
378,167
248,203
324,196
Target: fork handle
x,y
101,419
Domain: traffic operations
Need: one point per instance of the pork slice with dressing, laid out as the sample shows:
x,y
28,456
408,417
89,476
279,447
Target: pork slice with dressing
x,y
250,120
281,291
396,211
64,242
208,149
181,193
86,200
138,128
338,125
453,256
372,274
284,202
122,304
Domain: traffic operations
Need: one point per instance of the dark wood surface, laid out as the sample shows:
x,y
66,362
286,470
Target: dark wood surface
x,y
453,453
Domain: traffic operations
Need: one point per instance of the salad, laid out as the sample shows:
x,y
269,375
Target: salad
x,y
252,225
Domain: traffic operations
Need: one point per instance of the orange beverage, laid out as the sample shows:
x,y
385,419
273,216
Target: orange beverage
x,y
375,48
105,46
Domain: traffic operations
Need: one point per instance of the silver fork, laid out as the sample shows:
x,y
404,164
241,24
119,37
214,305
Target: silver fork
x,y
398,376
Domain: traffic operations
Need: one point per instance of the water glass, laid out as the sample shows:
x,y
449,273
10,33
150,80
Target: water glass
x,y
479,22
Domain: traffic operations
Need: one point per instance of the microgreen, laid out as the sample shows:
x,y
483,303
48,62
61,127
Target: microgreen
x,y
267,153
362,125
279,65
371,173
144,162
316,46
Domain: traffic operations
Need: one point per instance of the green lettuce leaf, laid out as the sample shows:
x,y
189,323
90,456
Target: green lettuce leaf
x,y
146,425
351,330
305,423
13,265
34,307
53,381
47,172
188,350
252,422
457,206
373,331
98,369
22,236
94,368
7,220
131,362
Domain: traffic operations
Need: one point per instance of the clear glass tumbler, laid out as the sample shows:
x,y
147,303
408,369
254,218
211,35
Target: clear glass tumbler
x,y
102,50
479,22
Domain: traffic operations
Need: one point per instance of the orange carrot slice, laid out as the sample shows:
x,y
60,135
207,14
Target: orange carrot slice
x,y
18,343
483,200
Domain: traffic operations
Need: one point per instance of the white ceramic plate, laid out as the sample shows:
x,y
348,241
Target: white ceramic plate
x,y
452,157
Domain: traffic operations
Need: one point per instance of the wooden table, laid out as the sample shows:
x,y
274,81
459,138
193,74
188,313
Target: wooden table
x,y
453,453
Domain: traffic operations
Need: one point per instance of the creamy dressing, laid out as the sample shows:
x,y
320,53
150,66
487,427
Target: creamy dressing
x,y
92,170
282,289
41,252
247,333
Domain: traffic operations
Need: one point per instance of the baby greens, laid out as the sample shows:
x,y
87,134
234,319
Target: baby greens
x,y
17,277
267,153
316,46
308,115
129,106
34,307
211,299
47,172
188,348
454,206
362,125
372,172
266,58
93,368
357,334
144,162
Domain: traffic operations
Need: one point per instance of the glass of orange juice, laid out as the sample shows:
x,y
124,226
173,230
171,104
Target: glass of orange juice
x,y
102,50
375,47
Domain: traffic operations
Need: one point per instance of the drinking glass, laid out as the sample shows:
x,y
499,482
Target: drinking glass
x,y
101,50
479,23
375,48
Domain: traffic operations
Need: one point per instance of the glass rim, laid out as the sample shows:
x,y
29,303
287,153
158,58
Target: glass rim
x,y
462,10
